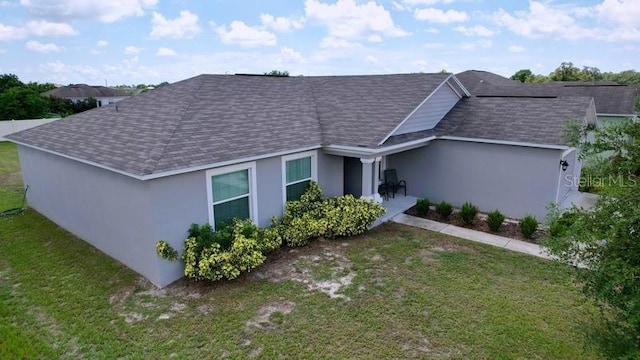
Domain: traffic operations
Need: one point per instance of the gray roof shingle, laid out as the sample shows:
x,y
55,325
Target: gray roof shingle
x,y
84,91
211,119
528,120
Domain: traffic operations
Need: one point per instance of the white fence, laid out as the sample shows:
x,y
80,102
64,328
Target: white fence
x,y
11,126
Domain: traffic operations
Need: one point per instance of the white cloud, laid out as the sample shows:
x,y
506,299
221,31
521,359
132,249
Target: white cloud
x,y
163,51
397,6
477,30
372,59
41,47
626,13
337,43
516,49
8,4
104,11
132,50
102,43
184,26
46,28
349,20
281,24
438,16
8,33
241,34
289,55
471,46
611,20
426,2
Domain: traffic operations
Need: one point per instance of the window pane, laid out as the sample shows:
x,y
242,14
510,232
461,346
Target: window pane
x,y
225,212
230,185
295,191
298,169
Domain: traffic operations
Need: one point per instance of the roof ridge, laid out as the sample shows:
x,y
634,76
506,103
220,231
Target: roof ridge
x,y
177,125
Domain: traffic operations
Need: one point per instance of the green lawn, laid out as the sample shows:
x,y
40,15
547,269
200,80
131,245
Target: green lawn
x,y
395,292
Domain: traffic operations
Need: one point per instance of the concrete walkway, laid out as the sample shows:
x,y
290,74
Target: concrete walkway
x,y
473,235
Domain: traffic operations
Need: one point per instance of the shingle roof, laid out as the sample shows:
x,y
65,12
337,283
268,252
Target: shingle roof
x,y
214,118
609,99
211,119
362,110
84,91
524,119
473,79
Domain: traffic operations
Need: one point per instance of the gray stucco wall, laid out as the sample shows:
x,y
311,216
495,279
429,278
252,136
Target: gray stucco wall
x,y
108,210
330,174
569,179
515,180
125,217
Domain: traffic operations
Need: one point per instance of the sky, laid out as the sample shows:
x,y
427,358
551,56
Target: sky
x,y
151,41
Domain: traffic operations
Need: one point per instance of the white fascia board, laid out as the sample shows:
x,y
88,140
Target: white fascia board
x,y
617,115
503,142
464,89
353,151
414,110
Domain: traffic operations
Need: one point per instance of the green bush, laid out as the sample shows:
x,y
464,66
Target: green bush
x,y
495,220
165,251
528,226
312,217
422,206
560,226
468,213
444,209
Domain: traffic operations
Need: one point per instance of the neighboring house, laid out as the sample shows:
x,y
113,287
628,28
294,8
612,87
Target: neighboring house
x,y
80,92
217,146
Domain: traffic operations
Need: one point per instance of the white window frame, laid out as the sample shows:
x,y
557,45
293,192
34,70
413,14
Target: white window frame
x,y
314,169
253,189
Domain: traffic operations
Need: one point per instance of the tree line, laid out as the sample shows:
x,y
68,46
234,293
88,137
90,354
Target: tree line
x,y
20,100
568,72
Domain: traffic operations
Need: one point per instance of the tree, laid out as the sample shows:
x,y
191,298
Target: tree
x,y
8,81
565,72
284,73
22,103
523,75
606,240
590,73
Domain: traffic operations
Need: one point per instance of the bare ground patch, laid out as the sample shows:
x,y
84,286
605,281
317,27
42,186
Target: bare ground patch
x,y
321,266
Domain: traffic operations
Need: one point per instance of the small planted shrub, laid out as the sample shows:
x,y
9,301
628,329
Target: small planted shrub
x,y
165,251
468,213
495,220
560,226
444,209
528,226
422,206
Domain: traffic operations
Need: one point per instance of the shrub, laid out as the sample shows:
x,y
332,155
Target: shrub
x,y
348,216
444,209
495,220
165,251
312,217
528,226
422,206
560,226
468,213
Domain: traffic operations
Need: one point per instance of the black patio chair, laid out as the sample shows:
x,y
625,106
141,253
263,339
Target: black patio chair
x,y
391,178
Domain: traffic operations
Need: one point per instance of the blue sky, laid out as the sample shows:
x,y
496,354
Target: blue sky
x,y
150,41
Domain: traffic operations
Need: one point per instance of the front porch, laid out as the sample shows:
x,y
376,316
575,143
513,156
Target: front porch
x,y
395,206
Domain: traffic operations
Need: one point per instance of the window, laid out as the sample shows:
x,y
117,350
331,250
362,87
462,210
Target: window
x,y
298,171
230,194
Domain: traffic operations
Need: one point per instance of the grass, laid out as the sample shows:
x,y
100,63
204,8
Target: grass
x,y
415,294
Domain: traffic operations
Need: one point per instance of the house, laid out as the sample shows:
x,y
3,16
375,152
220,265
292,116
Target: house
x,y
217,146
80,92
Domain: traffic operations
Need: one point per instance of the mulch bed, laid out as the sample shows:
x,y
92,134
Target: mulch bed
x,y
508,229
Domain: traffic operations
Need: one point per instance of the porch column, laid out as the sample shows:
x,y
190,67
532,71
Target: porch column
x,y
376,180
367,178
